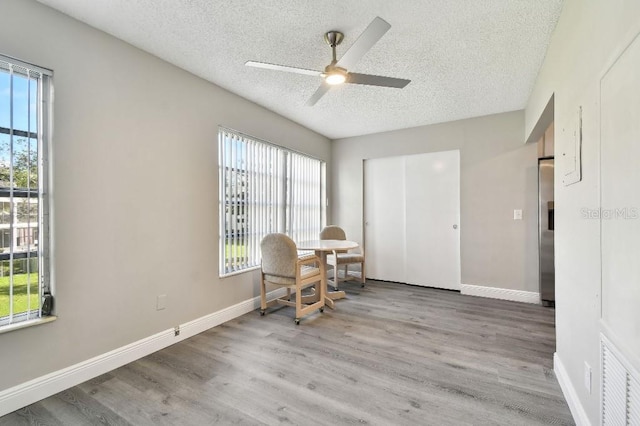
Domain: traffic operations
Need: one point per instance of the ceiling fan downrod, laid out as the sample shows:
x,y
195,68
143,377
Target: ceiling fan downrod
x,y
333,38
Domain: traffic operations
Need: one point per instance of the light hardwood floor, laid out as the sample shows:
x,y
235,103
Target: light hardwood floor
x,y
390,354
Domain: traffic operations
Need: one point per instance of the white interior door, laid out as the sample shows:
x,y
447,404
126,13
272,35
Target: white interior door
x,y
620,209
412,210
432,217
384,218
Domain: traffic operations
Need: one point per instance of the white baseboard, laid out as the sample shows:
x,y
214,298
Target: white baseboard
x,y
569,392
42,387
501,293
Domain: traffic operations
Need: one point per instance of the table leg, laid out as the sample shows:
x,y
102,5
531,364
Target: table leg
x,y
329,296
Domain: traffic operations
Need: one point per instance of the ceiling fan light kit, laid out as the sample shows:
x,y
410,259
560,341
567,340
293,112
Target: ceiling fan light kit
x,y
335,75
336,72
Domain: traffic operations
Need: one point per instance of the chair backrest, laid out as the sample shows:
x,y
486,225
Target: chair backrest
x,y
332,232
279,255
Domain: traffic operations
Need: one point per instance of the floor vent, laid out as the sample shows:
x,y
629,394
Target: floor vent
x,y
620,388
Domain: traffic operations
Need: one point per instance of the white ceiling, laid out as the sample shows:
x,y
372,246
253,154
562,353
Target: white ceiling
x,y
465,58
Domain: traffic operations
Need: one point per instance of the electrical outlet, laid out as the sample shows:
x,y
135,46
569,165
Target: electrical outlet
x,y
176,330
587,377
517,214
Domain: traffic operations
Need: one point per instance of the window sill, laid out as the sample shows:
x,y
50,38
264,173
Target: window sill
x,y
234,273
28,323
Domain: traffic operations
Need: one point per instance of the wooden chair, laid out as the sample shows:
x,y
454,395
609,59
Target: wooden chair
x,y
333,232
282,267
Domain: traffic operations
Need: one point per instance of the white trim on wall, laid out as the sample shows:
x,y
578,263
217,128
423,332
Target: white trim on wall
x,y
501,293
577,410
42,387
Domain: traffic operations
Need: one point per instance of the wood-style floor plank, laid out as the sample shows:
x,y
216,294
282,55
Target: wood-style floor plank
x,y
390,354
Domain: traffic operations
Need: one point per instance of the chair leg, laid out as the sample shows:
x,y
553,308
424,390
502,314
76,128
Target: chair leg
x,y
321,285
298,305
336,276
362,275
318,290
263,296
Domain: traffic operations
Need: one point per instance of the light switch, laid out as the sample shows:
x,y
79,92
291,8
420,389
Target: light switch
x,y
161,302
517,214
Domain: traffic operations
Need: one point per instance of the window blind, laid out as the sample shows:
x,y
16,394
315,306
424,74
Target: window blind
x,y
263,189
304,198
23,179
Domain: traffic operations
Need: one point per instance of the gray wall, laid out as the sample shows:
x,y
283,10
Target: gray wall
x,y
498,174
588,38
135,190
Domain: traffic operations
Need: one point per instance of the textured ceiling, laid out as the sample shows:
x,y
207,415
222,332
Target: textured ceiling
x,y
464,58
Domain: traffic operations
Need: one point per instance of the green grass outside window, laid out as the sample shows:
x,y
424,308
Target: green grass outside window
x,y
20,298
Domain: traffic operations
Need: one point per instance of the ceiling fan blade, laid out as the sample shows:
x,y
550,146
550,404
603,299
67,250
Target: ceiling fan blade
x,y
324,88
370,36
283,68
377,80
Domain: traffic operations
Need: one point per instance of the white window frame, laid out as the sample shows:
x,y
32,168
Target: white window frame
x,y
288,196
42,134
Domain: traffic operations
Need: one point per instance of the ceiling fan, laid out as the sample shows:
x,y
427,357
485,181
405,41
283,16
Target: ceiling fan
x,y
337,72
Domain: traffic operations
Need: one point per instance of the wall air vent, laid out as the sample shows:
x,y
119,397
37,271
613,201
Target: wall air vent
x,y
620,388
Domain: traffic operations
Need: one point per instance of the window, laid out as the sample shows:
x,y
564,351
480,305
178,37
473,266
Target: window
x,y
264,188
24,105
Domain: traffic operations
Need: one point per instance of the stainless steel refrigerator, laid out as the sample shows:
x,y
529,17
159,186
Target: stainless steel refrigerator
x,y
545,231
